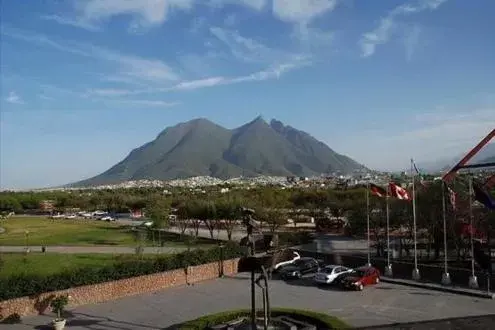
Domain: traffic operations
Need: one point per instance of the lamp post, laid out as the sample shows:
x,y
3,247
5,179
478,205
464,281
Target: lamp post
x,y
249,223
27,240
221,259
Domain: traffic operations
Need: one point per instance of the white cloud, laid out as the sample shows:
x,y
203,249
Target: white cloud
x,y
387,26
14,98
301,11
127,65
75,22
44,97
275,71
108,92
144,13
411,41
248,50
312,39
200,83
148,103
427,137
253,4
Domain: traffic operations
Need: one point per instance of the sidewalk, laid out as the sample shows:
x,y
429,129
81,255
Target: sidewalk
x,y
439,287
92,249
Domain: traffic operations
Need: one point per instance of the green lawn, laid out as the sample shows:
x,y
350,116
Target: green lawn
x,y
51,263
50,232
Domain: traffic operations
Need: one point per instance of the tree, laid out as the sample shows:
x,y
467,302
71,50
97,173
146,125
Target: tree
x,y
228,213
158,211
275,218
209,216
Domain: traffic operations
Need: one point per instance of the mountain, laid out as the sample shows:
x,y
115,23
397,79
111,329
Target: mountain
x,y
200,147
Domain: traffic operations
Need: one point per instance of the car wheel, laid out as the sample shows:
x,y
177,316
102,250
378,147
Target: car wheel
x,y
360,287
377,280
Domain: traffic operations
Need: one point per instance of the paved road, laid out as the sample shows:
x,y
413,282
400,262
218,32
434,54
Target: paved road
x,y
92,249
457,323
380,305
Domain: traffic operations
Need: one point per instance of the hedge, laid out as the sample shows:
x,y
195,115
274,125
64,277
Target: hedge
x,y
27,285
322,321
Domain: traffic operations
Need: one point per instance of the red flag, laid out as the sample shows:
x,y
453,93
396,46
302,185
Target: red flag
x,y
452,197
399,192
377,190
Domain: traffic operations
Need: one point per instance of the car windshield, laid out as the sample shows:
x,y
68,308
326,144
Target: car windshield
x,y
327,270
358,272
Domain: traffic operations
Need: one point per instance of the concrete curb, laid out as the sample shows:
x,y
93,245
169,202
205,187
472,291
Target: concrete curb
x,y
436,287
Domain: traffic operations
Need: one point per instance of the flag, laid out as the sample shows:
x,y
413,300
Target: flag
x,y
377,190
452,197
421,180
483,197
399,192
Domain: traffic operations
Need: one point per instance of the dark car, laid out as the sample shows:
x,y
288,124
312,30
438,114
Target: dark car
x,y
299,267
360,277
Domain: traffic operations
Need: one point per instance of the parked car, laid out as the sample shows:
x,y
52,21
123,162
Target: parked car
x,y
286,259
298,268
360,277
70,216
107,218
330,273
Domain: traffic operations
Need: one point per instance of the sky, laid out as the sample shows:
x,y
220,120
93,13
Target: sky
x,y
85,82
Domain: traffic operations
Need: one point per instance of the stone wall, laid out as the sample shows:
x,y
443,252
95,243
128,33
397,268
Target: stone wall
x,y
101,292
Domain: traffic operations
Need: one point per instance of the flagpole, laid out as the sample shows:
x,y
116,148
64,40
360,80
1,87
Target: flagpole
x,y
473,280
368,219
445,275
415,273
388,269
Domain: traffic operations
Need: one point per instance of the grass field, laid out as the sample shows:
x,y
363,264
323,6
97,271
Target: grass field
x,y
50,232
51,263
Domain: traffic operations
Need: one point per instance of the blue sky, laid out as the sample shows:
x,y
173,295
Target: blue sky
x,y
84,82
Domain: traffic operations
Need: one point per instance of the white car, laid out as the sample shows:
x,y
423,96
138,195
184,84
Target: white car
x,y
107,218
70,216
292,258
329,273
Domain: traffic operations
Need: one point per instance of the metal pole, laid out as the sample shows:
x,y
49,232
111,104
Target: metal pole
x,y
473,281
368,220
265,311
268,310
490,270
253,288
388,269
416,275
446,275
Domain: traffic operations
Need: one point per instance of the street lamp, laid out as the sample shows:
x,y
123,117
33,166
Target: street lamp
x,y
27,240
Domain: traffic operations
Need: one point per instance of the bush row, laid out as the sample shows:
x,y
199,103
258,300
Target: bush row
x,y
320,320
28,285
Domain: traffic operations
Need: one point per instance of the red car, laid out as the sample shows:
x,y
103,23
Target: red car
x,y
360,277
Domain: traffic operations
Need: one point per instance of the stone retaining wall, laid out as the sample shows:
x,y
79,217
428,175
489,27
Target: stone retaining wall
x,y
101,292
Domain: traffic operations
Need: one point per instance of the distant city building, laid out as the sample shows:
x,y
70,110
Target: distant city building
x,y
47,205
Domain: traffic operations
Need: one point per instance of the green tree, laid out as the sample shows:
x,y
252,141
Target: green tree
x,y
158,211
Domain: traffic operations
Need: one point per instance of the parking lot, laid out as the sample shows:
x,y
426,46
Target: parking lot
x,y
376,305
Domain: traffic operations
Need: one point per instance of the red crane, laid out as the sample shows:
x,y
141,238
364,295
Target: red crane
x,y
462,163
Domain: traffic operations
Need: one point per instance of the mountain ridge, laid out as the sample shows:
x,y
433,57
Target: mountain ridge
x,y
200,147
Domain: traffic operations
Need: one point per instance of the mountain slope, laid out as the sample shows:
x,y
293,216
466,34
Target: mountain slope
x,y
201,147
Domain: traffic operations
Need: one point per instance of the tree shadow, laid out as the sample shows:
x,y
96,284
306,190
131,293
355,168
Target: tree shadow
x,y
41,305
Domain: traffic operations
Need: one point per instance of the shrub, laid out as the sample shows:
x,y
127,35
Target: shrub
x,y
322,321
58,304
26,285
